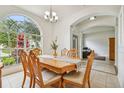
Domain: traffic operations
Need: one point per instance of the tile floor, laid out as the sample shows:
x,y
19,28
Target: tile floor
x,y
102,76
98,80
103,66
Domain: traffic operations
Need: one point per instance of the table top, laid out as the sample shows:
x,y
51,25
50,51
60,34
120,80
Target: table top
x,y
59,61
55,63
59,64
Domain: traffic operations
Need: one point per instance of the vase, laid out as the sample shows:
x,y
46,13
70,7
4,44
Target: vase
x,y
54,53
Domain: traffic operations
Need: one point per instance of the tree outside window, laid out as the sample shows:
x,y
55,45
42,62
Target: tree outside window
x,y
17,32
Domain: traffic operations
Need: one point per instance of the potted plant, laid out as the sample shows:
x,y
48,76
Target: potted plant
x,y
54,47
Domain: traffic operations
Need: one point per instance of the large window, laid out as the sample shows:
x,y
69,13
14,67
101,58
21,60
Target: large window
x,y
17,32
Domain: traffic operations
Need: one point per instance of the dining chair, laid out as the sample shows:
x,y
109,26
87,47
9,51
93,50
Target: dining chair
x,y
73,53
37,51
80,78
64,52
44,78
26,68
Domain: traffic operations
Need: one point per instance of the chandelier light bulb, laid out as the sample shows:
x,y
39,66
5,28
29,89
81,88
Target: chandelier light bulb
x,y
56,18
50,16
45,17
92,18
53,13
47,13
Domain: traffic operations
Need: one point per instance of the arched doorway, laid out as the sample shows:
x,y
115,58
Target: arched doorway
x,y
92,29
17,32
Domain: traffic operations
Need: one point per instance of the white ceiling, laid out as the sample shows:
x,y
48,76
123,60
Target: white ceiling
x,y
99,29
61,10
98,18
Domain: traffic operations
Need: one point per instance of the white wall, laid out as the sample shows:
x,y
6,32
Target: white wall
x,y
120,63
99,42
44,27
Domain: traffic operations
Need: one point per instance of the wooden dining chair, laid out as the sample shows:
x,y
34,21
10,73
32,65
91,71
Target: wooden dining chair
x,y
80,78
73,53
44,78
26,68
37,51
64,52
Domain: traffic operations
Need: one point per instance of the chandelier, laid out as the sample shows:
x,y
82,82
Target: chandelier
x,y
50,16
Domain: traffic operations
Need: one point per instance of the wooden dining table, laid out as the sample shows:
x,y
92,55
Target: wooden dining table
x,y
57,66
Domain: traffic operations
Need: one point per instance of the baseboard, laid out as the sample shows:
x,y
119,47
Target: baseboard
x,y
116,69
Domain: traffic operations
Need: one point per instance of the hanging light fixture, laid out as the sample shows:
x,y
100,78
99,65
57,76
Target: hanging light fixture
x,y
50,16
92,18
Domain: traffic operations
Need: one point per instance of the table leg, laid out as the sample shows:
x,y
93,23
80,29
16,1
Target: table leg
x,y
62,86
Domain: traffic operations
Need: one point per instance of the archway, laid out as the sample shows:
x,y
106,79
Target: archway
x,y
88,16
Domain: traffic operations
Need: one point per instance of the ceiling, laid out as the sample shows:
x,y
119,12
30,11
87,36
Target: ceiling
x,y
98,29
98,18
61,10
100,24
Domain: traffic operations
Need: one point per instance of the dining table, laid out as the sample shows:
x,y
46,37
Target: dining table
x,y
60,64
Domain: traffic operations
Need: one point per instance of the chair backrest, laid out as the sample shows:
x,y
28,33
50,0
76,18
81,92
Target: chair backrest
x,y
64,52
37,51
24,60
72,53
36,68
88,68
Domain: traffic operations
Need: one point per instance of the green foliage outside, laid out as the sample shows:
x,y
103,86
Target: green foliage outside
x,y
3,39
8,60
6,51
10,28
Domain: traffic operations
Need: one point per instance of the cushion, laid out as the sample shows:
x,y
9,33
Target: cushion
x,y
49,76
76,77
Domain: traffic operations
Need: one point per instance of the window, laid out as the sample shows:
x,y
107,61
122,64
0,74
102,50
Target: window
x,y
17,32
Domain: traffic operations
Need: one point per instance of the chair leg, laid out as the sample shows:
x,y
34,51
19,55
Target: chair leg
x,y
33,82
89,83
63,84
60,84
24,80
31,79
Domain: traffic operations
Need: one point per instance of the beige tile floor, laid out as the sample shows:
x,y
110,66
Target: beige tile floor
x,y
102,76
103,66
98,80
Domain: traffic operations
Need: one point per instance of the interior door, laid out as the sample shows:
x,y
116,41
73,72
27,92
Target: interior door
x,y
112,49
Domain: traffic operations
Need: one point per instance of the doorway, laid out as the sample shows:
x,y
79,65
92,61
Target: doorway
x,y
75,42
